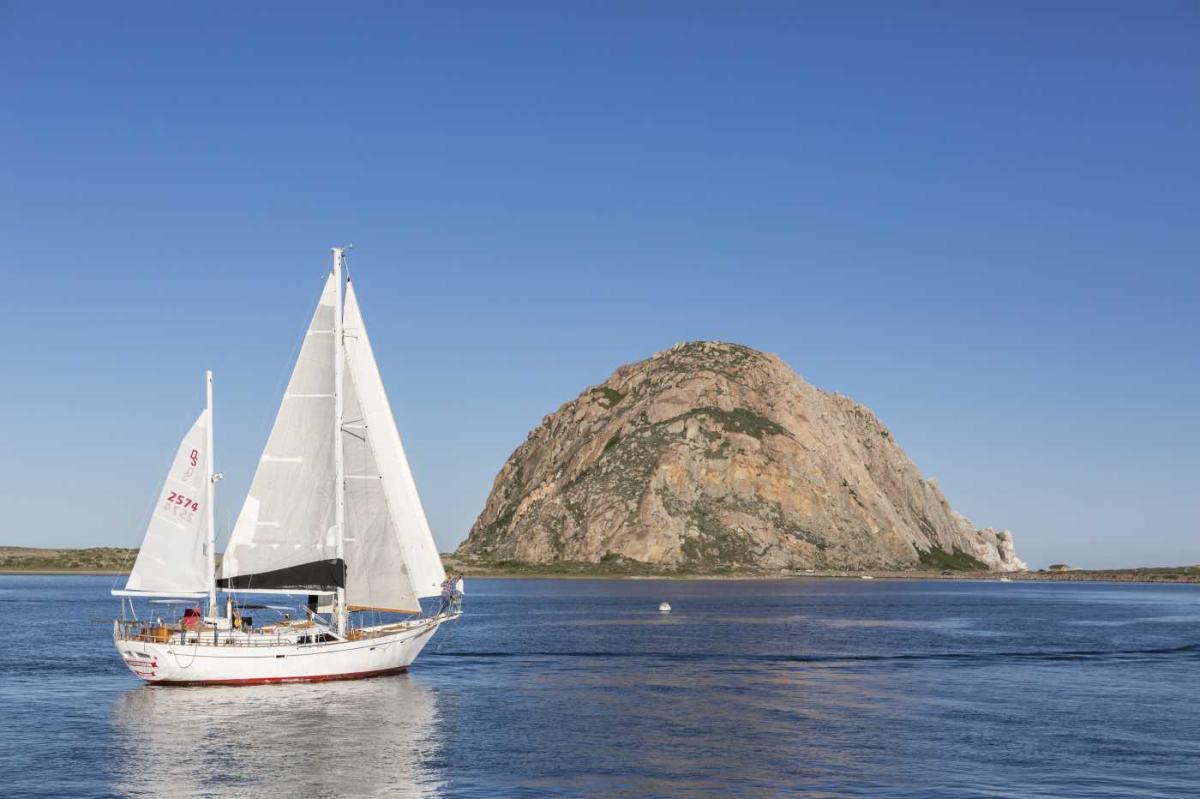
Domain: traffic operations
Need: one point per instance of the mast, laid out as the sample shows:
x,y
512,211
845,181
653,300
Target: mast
x,y
210,490
339,468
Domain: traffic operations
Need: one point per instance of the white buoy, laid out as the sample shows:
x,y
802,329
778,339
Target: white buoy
x,y
665,607
867,577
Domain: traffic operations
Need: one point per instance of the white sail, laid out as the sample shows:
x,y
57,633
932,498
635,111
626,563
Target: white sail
x,y
376,573
333,506
172,560
288,517
413,538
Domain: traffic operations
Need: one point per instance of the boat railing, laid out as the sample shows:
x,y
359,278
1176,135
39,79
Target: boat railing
x,y
281,634
163,633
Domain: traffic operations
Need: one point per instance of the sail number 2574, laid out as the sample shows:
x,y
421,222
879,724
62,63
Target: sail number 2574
x,y
179,499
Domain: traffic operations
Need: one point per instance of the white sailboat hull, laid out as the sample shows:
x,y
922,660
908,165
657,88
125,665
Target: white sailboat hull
x,y
173,663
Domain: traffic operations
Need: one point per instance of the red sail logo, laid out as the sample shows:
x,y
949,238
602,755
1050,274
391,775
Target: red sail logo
x,y
195,456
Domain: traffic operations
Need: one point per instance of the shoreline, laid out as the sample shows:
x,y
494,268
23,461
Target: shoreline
x,y
1187,576
116,561
1117,576
51,570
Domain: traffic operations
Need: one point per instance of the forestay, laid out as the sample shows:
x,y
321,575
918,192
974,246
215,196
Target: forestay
x,y
288,517
172,560
391,556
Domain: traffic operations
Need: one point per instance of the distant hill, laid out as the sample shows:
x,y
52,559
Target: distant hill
x,y
712,457
99,559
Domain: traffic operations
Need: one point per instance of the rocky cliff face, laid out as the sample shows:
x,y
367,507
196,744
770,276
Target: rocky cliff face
x,y
716,457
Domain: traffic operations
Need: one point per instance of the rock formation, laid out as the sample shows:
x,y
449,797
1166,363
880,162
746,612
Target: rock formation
x,y
713,457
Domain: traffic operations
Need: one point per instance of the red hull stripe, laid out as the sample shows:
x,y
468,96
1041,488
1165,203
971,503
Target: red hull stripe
x,y
355,675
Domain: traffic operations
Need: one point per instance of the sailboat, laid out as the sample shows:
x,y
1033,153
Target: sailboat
x,y
332,515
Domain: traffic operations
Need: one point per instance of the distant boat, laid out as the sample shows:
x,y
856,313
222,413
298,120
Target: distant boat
x,y
664,607
333,515
867,577
1005,580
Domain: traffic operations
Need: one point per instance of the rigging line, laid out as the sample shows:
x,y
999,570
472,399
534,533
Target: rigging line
x,y
195,651
285,370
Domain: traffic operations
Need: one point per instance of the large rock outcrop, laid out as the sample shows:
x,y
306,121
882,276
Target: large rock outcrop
x,y
716,457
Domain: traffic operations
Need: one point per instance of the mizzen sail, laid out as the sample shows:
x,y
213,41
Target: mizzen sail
x,y
172,560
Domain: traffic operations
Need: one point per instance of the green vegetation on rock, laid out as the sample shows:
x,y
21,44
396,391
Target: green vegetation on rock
x,y
714,547
938,558
609,396
739,420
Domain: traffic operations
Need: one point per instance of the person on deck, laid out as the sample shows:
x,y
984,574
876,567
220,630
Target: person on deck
x,y
451,596
459,590
192,618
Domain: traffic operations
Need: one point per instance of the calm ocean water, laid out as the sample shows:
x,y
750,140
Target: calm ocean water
x,y
581,688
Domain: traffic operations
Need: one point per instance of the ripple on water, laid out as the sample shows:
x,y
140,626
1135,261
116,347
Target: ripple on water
x,y
580,688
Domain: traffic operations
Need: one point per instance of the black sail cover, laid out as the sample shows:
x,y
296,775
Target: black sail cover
x,y
320,575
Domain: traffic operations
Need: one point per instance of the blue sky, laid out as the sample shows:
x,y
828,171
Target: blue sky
x,y
980,222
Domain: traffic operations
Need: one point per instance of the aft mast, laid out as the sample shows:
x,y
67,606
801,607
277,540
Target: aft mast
x,y
339,467
210,491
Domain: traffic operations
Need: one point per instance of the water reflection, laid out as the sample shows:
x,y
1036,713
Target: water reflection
x,y
364,738
634,726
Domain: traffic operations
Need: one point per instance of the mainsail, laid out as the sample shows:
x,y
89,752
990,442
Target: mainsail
x,y
286,534
172,560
